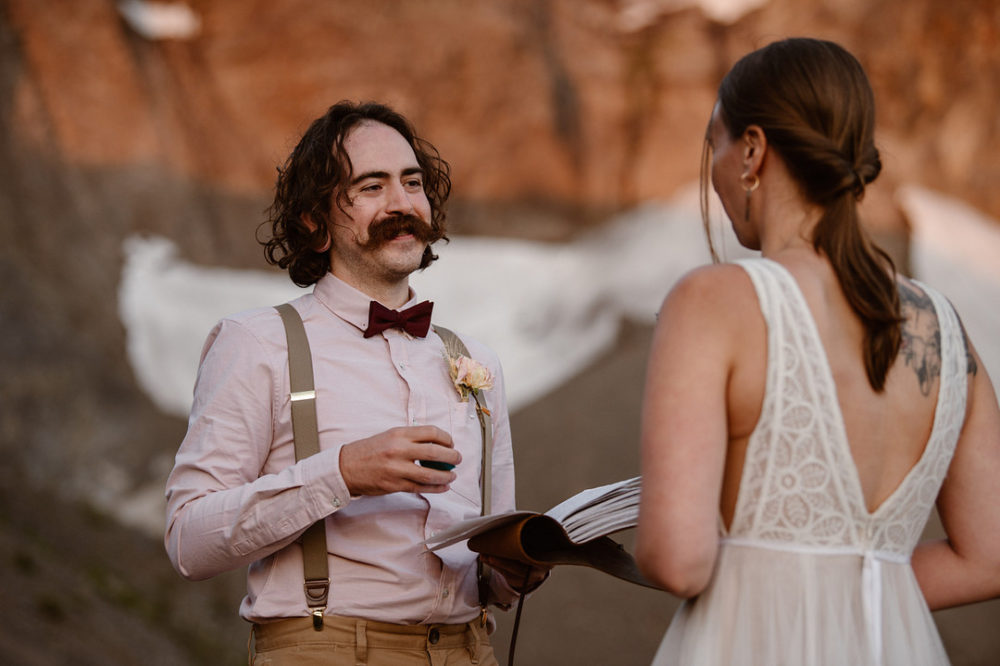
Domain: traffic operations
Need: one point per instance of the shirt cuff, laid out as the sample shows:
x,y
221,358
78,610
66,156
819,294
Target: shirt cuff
x,y
322,479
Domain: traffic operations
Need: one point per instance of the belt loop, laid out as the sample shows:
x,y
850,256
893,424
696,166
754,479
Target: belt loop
x,y
473,642
250,646
360,643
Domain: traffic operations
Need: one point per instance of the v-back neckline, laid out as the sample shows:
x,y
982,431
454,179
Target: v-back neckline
x,y
826,376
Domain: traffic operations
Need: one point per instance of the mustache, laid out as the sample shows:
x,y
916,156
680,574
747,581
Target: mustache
x,y
383,231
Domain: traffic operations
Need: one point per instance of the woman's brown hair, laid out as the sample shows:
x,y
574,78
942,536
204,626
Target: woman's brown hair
x,y
817,110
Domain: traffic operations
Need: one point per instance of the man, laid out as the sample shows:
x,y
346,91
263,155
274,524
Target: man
x,y
357,207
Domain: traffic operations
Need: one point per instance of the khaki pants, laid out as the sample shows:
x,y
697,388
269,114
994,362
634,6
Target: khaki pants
x,y
346,641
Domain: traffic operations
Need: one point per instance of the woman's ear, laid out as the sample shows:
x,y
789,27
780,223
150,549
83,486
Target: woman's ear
x,y
312,226
754,147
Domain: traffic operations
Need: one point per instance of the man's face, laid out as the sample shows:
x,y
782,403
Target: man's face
x,y
380,235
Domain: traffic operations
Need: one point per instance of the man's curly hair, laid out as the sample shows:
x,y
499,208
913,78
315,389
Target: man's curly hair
x,y
318,169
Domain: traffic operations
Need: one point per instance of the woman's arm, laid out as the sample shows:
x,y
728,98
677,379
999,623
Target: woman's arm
x,y
684,427
965,567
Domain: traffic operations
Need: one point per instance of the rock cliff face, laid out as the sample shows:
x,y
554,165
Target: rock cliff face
x,y
547,105
553,113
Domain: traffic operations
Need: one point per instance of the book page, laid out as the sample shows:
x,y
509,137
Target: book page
x,y
593,500
589,514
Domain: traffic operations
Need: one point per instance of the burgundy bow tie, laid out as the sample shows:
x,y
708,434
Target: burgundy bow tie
x,y
416,320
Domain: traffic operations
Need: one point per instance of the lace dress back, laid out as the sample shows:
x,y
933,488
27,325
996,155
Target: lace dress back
x,y
806,574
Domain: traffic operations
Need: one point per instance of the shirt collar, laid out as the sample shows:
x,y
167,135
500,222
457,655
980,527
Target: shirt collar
x,y
348,303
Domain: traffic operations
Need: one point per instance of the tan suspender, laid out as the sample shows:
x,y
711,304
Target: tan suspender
x,y
454,347
306,434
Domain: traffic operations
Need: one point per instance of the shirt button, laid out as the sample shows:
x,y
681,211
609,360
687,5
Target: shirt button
x,y
444,593
336,502
433,636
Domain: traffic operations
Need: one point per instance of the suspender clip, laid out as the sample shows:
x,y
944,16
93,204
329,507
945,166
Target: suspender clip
x,y
316,595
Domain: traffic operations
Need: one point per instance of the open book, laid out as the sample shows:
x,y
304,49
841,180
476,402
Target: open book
x,y
572,532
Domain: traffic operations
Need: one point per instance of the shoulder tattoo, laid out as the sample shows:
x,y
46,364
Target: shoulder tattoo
x,y
921,348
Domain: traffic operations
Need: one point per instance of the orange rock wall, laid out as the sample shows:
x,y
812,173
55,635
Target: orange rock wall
x,y
547,105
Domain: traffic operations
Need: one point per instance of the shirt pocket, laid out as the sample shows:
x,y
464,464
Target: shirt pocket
x,y
468,439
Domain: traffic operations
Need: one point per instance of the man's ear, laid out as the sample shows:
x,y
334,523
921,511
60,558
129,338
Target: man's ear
x,y
312,226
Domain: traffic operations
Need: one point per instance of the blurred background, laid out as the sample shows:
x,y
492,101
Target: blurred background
x,y
138,151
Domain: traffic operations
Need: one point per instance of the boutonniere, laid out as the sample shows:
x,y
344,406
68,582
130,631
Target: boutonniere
x,y
469,376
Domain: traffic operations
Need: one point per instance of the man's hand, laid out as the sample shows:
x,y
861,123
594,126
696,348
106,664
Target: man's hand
x,y
522,577
385,463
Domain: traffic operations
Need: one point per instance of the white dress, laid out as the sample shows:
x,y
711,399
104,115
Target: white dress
x,y
806,574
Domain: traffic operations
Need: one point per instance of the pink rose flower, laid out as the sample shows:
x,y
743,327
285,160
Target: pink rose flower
x,y
469,375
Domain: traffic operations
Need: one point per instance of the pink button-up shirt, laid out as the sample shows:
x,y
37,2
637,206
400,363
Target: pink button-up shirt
x,y
237,497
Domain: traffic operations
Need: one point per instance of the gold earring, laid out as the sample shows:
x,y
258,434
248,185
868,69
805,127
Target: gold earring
x,y
749,190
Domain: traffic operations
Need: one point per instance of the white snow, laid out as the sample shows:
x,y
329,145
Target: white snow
x,y
168,306
160,20
547,309
634,15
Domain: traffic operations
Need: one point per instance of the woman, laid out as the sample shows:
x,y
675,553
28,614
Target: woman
x,y
804,411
